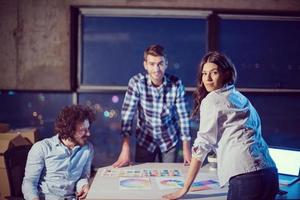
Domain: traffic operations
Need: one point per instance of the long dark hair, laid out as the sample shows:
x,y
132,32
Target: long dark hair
x,y
224,65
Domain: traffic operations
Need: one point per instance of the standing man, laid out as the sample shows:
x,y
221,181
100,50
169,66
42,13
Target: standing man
x,y
159,100
59,167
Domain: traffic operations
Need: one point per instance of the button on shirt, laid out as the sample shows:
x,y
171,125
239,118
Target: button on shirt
x,y
230,126
54,172
161,112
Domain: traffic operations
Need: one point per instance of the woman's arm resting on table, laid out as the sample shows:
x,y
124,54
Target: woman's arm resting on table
x,y
192,173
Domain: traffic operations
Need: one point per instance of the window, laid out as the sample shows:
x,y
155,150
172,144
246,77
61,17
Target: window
x,y
264,49
113,41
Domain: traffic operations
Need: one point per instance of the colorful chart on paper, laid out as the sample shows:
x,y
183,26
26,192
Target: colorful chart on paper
x,y
177,182
169,183
141,173
121,173
134,184
161,172
204,185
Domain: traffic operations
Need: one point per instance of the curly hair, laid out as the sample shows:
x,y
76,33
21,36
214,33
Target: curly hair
x,y
69,116
224,65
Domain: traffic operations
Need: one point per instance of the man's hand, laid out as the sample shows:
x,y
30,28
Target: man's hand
x,y
124,157
83,192
176,195
123,160
187,156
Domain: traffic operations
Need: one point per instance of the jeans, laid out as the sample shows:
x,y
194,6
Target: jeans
x,y
142,155
258,185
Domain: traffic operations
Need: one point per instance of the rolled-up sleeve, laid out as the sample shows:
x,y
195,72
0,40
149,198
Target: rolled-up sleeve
x,y
86,172
34,167
208,130
184,121
129,107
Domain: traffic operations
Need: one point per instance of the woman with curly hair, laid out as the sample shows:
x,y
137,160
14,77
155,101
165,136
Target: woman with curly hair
x,y
59,167
231,127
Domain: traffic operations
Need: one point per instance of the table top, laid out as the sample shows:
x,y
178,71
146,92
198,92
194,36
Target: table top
x,y
104,187
108,187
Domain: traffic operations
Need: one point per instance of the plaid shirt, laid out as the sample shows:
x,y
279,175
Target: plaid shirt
x,y
161,112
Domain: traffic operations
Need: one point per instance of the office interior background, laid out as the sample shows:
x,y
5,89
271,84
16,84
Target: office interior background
x,y
55,53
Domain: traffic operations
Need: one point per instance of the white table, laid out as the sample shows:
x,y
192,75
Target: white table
x,y
108,187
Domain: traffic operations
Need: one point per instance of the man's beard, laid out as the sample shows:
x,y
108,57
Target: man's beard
x,y
79,141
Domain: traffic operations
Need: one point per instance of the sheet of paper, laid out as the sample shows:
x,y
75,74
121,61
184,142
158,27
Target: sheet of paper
x,y
200,185
121,173
165,183
141,173
177,182
161,172
134,183
110,173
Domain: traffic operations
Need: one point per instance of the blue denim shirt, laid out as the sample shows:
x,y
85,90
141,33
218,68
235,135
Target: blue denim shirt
x,y
55,172
231,127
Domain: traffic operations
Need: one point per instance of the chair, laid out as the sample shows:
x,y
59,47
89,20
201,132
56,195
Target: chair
x,y
15,160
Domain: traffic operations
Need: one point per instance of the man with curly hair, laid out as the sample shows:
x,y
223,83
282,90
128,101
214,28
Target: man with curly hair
x,y
59,167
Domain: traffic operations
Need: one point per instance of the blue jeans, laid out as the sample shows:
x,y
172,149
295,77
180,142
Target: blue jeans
x,y
257,185
142,155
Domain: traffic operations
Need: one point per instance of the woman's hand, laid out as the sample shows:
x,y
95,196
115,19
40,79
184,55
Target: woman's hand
x,y
175,195
191,175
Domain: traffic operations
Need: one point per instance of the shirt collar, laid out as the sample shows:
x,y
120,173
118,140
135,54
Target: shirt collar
x,y
149,82
226,87
57,140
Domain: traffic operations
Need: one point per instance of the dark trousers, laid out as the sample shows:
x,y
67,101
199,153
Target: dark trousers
x,y
258,185
142,155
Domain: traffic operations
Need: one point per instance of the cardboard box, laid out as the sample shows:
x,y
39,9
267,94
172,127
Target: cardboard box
x,y
7,141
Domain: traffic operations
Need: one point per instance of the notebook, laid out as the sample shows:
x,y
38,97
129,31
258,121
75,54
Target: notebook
x,y
288,164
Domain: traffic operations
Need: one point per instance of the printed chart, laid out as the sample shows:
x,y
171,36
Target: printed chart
x,y
141,173
134,183
177,182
